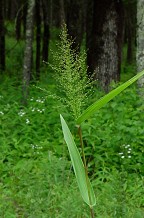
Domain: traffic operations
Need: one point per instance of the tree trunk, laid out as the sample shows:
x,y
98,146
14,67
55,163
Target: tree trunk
x,y
105,45
90,37
27,66
46,34
11,10
130,28
74,18
62,13
18,21
140,42
2,36
38,38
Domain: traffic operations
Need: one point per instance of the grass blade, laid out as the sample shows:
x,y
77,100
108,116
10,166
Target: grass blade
x,y
78,166
102,101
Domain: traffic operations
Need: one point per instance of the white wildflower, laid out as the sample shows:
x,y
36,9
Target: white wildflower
x,y
27,121
121,153
21,113
129,149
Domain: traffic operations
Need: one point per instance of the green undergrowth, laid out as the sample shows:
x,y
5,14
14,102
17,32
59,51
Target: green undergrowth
x,y
116,134
36,177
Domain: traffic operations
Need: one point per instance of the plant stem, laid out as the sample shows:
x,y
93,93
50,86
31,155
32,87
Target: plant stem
x,y
82,147
85,166
92,212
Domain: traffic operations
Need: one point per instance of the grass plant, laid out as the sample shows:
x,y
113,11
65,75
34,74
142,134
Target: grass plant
x,y
80,168
71,75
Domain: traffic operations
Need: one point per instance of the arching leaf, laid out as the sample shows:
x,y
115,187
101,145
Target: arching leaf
x,y
84,184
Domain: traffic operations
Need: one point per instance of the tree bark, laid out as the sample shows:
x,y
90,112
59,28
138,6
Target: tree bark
x,y
38,38
27,66
11,9
105,45
62,13
18,23
130,29
90,33
46,33
2,37
74,18
140,42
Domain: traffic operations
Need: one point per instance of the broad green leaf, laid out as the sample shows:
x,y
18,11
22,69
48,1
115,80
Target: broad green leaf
x,y
102,101
78,166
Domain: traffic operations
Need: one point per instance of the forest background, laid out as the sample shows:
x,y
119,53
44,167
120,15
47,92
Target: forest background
x,y
104,45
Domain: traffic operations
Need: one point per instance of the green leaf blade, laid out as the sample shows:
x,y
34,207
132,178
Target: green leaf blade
x,y
102,101
83,182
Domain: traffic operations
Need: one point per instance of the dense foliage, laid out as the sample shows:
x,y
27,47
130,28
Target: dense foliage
x,y
36,176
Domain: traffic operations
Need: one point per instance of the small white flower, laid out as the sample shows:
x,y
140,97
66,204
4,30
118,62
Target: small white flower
x,y
127,146
129,156
122,157
27,121
38,100
21,113
120,153
129,151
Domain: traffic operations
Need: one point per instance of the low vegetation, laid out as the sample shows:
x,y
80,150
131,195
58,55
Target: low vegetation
x,y
36,175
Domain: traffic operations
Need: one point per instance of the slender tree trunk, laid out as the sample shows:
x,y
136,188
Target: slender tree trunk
x,y
74,18
104,53
62,12
90,33
46,34
130,29
38,38
140,42
11,9
2,36
27,66
51,13
18,23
